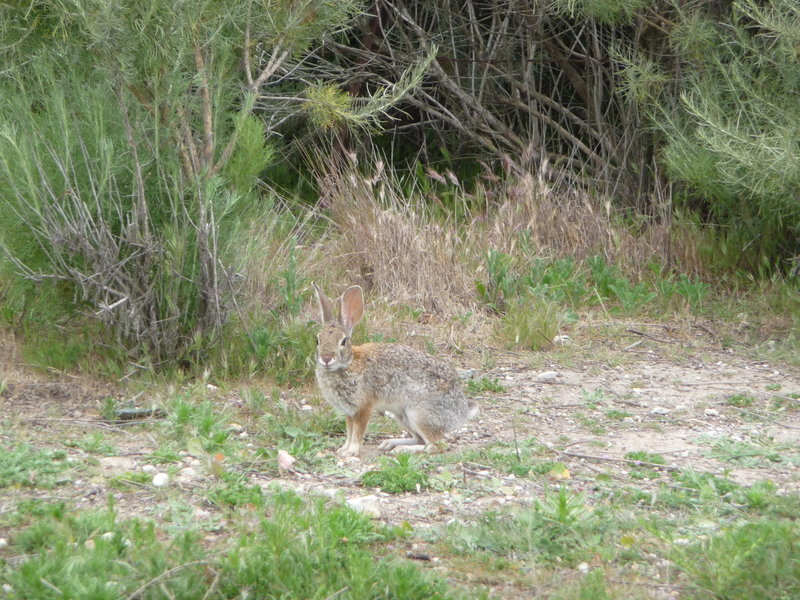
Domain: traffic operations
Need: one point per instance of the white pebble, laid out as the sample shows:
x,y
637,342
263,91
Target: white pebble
x,y
148,468
161,480
711,412
369,505
547,377
659,410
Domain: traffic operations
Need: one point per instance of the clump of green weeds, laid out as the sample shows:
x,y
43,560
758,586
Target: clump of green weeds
x,y
745,560
313,549
560,528
530,323
24,466
233,490
485,384
740,401
397,475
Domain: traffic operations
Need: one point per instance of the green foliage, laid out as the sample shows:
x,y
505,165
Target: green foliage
x,y
284,350
740,401
530,322
24,466
233,491
558,528
610,12
484,384
129,157
396,475
746,560
729,126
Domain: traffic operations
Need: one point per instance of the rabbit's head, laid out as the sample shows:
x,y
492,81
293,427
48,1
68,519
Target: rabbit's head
x,y
334,349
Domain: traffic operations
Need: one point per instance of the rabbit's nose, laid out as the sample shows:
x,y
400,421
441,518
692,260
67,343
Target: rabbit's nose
x,y
326,360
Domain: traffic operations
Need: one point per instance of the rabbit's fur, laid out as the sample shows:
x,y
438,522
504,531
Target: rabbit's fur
x,y
422,393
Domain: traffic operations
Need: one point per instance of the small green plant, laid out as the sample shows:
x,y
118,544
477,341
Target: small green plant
x,y
740,401
25,466
645,471
632,297
692,290
483,385
530,323
558,529
233,490
617,415
746,454
501,285
396,475
593,399
93,443
772,387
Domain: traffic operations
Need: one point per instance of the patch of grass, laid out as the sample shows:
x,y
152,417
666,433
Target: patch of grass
x,y
591,587
23,466
312,549
744,561
483,385
93,443
283,349
745,453
397,475
233,490
529,323
560,529
590,423
617,415
740,401
520,459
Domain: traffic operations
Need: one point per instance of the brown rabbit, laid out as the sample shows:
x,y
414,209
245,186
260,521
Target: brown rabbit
x,y
422,393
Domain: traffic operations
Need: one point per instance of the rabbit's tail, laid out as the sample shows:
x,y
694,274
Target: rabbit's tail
x,y
472,409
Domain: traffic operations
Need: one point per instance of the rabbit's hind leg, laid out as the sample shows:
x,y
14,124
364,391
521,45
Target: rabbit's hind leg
x,y
423,437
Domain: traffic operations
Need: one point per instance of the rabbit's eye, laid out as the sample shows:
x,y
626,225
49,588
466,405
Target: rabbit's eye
x,y
344,341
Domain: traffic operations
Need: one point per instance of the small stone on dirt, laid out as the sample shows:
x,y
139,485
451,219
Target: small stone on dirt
x,y
161,480
711,412
368,505
659,410
547,377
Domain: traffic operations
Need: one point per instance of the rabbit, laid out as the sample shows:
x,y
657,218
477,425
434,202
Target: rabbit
x,y
423,393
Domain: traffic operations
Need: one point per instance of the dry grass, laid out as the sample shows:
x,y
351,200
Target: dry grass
x,y
390,244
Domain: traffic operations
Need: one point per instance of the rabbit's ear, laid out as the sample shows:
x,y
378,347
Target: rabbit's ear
x,y
352,308
325,305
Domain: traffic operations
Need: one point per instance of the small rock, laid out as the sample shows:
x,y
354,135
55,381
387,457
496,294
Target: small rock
x,y
547,377
211,387
583,568
307,407
711,412
117,463
148,468
368,505
161,480
681,542
466,373
3,543
562,339
236,428
659,410
187,474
